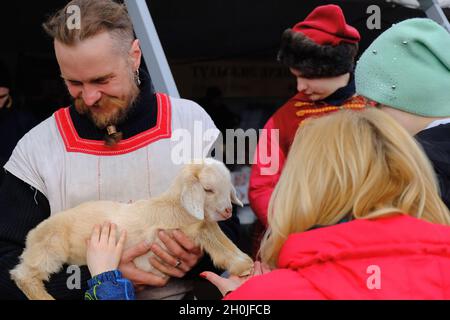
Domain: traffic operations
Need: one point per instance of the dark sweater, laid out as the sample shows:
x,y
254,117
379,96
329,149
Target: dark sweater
x,y
22,207
436,143
14,123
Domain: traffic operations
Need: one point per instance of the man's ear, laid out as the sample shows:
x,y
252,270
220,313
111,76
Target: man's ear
x,y
135,54
193,199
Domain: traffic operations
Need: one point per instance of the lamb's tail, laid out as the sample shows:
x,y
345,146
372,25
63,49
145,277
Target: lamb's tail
x,y
45,254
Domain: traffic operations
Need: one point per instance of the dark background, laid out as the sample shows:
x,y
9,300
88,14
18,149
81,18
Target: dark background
x,y
191,32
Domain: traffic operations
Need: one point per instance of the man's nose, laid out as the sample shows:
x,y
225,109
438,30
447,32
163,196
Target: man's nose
x,y
90,95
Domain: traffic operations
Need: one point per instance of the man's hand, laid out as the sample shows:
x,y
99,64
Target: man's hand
x,y
180,256
137,276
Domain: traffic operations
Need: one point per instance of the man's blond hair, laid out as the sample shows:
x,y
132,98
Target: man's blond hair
x,y
96,16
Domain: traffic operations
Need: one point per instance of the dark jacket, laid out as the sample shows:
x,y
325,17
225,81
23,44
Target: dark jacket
x,y
436,143
14,123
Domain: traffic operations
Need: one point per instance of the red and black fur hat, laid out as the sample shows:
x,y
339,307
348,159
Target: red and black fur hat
x,y
323,45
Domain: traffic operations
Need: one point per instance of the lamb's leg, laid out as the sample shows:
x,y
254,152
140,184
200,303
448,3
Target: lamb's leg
x,y
45,254
30,281
223,251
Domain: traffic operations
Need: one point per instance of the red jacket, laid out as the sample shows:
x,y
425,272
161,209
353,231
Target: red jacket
x,y
287,120
396,257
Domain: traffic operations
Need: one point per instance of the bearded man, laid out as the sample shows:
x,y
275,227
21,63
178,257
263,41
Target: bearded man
x,y
114,142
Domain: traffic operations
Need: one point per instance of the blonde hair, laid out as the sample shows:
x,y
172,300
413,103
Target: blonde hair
x,y
355,164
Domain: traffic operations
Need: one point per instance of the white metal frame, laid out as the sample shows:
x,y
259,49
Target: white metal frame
x,y
152,50
434,11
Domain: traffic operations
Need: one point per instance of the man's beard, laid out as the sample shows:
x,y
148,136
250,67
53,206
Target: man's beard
x,y
108,110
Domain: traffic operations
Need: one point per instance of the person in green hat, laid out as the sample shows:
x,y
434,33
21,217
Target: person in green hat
x,y
406,73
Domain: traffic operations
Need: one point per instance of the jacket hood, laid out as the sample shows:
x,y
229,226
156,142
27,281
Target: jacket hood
x,y
409,255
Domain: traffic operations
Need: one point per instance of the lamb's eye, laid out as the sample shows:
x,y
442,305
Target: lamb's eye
x,y
208,190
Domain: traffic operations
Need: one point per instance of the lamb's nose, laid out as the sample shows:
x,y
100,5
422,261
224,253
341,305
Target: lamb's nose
x,y
229,211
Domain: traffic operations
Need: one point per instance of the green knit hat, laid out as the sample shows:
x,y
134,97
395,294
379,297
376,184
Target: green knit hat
x,y
408,68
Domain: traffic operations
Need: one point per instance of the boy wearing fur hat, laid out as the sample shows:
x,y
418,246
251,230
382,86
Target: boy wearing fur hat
x,y
406,72
320,53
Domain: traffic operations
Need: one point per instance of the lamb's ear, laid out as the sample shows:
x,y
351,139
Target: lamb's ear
x,y
234,198
193,199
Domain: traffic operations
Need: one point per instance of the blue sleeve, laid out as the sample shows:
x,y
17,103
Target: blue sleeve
x,y
109,286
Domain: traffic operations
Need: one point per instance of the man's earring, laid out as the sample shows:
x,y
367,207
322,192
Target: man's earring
x,y
137,79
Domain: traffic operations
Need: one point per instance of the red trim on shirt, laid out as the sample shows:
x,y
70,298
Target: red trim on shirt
x,y
73,142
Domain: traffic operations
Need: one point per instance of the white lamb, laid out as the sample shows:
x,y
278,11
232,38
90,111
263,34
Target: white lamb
x,y
200,196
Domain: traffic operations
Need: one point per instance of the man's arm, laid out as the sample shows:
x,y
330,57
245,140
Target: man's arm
x,y
21,209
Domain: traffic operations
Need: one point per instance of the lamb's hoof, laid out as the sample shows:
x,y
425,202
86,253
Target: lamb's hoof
x,y
246,273
243,267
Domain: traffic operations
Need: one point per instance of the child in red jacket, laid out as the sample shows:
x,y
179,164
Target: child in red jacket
x,y
320,52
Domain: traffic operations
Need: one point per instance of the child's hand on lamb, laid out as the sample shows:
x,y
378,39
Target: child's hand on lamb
x,y
103,249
